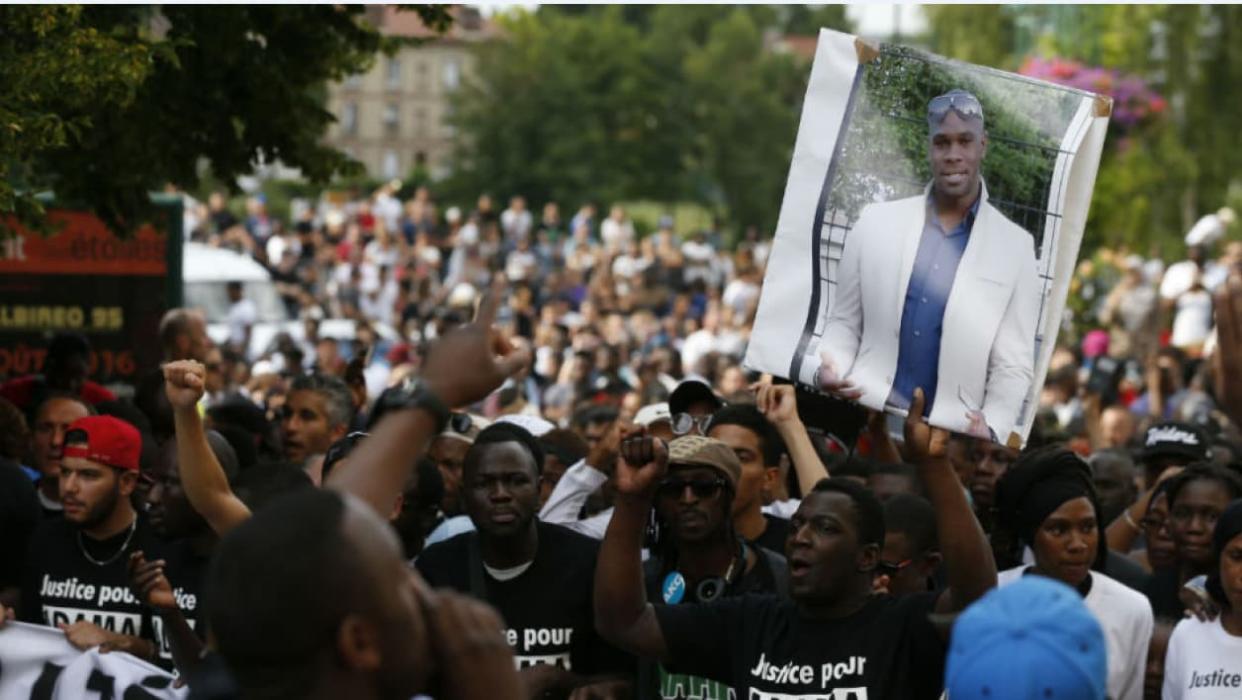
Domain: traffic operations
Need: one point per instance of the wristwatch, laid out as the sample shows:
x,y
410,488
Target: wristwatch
x,y
411,393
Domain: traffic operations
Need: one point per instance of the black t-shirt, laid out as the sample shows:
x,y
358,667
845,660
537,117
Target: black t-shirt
x,y
1162,592
185,571
19,516
547,609
766,650
62,586
773,536
770,574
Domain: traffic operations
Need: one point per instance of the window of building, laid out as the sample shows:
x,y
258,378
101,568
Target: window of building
x,y
420,159
354,81
393,75
450,74
420,122
392,118
392,164
349,119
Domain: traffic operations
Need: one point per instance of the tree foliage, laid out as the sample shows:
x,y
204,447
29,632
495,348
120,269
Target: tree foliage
x,y
666,102
102,104
1156,179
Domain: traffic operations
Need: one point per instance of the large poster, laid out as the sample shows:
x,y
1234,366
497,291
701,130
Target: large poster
x,y
84,279
38,663
930,225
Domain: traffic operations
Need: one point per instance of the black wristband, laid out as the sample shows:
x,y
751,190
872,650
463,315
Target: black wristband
x,y
422,397
409,396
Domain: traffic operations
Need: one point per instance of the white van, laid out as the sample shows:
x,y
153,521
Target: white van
x,y
206,272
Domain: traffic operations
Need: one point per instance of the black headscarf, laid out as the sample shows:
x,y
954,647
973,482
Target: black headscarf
x,y
1228,527
1038,483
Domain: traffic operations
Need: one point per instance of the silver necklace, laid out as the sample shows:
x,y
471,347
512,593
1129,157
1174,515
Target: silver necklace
x,y
133,526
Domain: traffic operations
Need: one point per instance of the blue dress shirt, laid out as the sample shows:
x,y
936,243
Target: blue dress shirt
x,y
922,315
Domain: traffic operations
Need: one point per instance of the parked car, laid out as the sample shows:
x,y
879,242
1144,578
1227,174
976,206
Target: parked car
x,y
206,272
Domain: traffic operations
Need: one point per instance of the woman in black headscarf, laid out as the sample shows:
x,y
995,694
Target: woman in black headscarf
x,y
1205,656
1047,501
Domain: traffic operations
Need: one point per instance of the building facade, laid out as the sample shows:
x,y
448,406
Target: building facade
x,y
394,118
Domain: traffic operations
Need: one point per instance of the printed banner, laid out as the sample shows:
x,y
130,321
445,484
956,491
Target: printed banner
x,y
874,288
38,663
83,279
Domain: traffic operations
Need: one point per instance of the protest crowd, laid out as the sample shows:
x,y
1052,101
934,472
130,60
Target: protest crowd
x,y
557,479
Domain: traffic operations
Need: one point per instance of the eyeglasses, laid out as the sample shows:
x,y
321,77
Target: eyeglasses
x,y
963,103
683,423
888,568
1153,523
701,488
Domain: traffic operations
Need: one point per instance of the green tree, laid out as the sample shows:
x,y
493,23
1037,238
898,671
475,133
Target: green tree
x,y
104,104
983,34
665,103
745,107
564,109
809,19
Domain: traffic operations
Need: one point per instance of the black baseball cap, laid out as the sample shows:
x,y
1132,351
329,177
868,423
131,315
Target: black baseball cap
x,y
1176,440
690,392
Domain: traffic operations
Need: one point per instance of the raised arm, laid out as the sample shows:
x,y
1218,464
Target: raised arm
x,y
779,404
1227,358
202,477
582,479
462,367
149,584
622,614
1125,528
967,554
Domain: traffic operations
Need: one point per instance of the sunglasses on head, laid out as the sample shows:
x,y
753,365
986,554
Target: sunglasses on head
x,y
702,488
960,102
683,423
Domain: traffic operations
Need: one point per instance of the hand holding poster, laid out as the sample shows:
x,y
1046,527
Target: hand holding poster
x,y
38,663
930,225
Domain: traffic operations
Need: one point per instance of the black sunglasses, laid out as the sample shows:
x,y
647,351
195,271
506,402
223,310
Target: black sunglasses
x,y
702,488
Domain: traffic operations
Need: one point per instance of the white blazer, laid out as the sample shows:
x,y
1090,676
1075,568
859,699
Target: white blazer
x,y
987,350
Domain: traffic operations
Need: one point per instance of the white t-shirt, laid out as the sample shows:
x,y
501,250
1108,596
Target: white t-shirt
x,y
1193,321
242,315
1178,279
616,234
1125,616
1204,662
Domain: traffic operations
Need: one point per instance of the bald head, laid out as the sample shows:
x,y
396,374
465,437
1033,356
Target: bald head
x,y
183,335
1117,424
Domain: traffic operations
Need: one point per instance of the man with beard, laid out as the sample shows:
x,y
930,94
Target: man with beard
x,y
832,637
537,575
76,575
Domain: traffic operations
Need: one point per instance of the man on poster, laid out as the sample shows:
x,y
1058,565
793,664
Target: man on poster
x,y
937,291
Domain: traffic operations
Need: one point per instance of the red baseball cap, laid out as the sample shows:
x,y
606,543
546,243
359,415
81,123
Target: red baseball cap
x,y
104,439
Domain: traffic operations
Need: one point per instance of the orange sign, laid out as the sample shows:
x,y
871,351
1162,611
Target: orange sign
x,y
82,245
